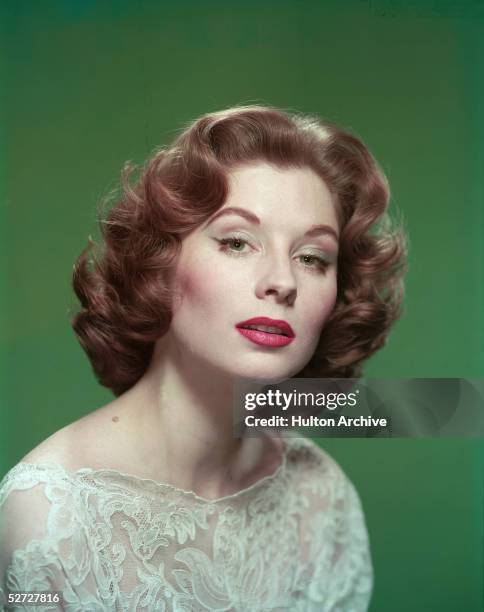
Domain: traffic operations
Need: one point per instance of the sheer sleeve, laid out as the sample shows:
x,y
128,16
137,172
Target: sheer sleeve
x,y
43,543
337,572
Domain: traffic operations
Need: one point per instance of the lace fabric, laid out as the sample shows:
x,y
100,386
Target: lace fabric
x,y
294,541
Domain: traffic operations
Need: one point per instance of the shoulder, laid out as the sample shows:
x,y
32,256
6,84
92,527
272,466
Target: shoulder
x,y
43,464
58,447
28,487
25,486
83,443
41,486
311,463
90,441
319,479
334,535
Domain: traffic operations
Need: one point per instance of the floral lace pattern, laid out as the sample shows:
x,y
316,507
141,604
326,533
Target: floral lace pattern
x,y
295,541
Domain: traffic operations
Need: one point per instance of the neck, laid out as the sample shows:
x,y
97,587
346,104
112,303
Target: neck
x,y
182,410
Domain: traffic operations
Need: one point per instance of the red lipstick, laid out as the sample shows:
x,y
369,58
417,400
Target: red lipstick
x,y
280,334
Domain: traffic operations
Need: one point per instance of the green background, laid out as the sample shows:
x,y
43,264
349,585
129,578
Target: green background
x,y
88,85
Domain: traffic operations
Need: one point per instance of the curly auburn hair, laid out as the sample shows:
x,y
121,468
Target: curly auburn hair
x,y
125,291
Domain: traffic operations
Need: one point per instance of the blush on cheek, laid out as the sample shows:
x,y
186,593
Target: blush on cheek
x,y
185,281
197,288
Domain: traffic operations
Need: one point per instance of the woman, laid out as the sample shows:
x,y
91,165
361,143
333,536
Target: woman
x,y
251,217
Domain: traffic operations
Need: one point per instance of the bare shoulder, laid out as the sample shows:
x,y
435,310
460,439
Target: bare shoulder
x,y
94,440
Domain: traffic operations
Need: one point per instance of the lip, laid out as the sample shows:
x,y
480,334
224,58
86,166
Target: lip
x,y
266,338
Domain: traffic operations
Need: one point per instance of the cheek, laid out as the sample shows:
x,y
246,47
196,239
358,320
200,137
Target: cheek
x,y
198,288
322,308
189,287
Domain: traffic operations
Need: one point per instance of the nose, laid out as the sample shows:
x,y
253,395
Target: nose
x,y
277,278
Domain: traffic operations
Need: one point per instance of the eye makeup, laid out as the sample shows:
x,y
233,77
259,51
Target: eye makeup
x,y
313,259
327,246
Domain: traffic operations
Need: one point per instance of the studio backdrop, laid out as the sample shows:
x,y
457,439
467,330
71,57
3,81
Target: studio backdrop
x,y
88,85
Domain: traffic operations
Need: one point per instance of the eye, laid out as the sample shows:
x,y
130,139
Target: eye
x,y
321,264
232,245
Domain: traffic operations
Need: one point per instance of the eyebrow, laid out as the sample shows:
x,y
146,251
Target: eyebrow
x,y
313,231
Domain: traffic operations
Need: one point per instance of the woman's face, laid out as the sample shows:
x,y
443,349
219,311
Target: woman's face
x,y
263,261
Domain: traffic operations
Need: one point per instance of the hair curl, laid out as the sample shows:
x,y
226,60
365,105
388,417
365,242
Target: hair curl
x,y
125,292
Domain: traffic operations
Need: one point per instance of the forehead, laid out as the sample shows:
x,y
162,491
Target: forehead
x,y
267,190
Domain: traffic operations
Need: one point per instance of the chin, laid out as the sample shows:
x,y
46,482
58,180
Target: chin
x,y
269,376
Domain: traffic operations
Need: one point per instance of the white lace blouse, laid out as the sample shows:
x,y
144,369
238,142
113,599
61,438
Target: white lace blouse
x,y
296,540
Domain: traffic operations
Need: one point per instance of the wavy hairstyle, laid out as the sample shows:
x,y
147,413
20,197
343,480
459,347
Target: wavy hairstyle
x,y
124,290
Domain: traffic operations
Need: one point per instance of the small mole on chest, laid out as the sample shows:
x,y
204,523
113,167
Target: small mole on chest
x,y
115,419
